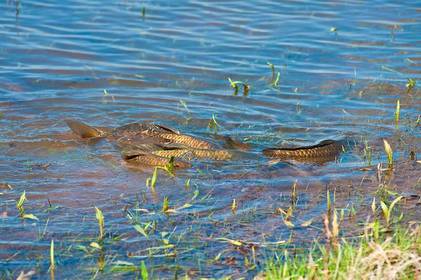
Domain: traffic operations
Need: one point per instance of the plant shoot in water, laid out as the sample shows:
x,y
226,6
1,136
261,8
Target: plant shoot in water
x,y
151,182
165,205
367,152
275,75
235,86
213,124
234,206
100,219
389,153
410,84
21,209
52,259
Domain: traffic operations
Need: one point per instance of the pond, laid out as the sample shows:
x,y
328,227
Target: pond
x,y
343,65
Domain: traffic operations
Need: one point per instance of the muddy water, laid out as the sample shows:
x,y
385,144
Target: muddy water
x,y
343,66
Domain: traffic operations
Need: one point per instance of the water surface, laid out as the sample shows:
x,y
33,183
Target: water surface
x,y
343,66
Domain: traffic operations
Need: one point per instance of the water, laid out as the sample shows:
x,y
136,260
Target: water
x,y
343,65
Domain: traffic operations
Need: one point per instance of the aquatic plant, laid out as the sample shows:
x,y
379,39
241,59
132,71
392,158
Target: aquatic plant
x,y
275,75
389,153
213,124
234,206
21,209
144,271
151,181
165,205
368,152
411,83
387,210
294,195
100,218
52,259
397,112
235,86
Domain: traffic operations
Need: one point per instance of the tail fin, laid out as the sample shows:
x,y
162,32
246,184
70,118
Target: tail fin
x,y
84,130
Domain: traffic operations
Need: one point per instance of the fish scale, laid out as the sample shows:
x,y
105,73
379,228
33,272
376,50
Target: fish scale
x,y
195,153
155,160
186,140
326,148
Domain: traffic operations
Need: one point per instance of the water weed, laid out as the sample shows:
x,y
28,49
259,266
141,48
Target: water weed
x,y
389,153
235,85
275,75
21,209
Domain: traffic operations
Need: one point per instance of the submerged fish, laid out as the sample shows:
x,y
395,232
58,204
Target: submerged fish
x,y
134,133
195,154
148,159
324,151
151,144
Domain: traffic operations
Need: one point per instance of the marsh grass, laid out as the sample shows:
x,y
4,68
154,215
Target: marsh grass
x,y
394,257
383,251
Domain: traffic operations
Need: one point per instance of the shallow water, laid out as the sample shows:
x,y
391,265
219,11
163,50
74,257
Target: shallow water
x,y
104,63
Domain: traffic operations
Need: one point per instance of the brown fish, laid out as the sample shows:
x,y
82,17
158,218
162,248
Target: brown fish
x,y
324,151
84,130
194,154
134,133
186,140
145,158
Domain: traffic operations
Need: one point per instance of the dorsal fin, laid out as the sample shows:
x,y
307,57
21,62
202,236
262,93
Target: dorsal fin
x,y
84,130
170,130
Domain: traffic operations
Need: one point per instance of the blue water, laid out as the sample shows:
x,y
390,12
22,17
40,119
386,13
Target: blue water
x,y
343,66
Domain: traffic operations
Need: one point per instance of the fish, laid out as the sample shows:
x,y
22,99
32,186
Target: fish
x,y
84,130
326,150
154,160
133,133
190,154
186,140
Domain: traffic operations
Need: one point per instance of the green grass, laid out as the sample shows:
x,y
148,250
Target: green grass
x,y
391,257
384,249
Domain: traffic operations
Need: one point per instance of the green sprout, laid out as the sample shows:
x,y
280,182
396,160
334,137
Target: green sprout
x,y
410,84
165,205
275,75
169,167
21,209
387,211
100,218
52,259
234,206
389,153
368,152
213,124
151,182
143,271
235,86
